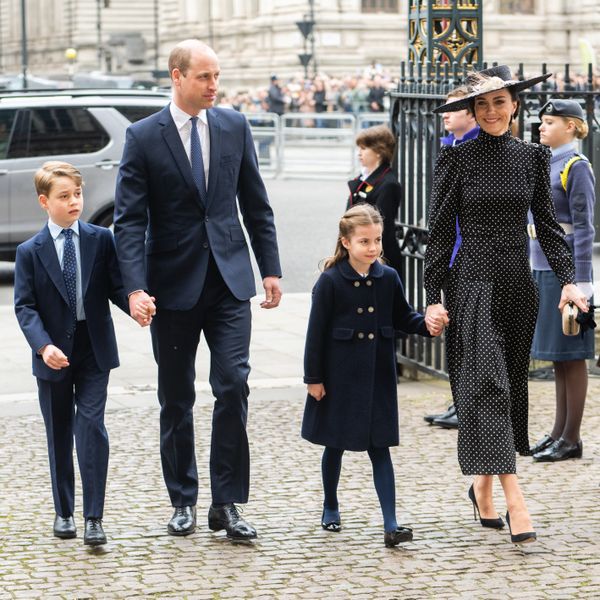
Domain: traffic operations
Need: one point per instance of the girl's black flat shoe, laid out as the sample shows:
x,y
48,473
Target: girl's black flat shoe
x,y
400,534
330,525
491,523
521,538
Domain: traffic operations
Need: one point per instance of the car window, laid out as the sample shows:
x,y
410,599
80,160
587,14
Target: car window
x,y
135,113
7,122
55,131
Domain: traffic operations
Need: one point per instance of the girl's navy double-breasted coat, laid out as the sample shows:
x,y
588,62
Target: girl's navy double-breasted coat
x,y
350,349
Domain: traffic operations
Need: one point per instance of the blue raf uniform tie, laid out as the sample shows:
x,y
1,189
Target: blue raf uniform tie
x,y
196,159
70,270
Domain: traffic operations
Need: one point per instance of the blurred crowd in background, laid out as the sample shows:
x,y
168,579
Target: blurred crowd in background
x,y
364,91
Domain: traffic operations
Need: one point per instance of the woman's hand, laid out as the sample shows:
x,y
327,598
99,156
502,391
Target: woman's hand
x,y
436,318
571,293
316,390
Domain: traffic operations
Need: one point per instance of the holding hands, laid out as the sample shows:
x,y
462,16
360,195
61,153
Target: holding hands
x,y
142,307
436,318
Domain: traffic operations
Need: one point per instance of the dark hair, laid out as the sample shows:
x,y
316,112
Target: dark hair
x,y
360,215
379,139
514,96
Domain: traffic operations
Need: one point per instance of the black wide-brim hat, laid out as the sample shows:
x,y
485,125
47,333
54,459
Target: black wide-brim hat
x,y
489,80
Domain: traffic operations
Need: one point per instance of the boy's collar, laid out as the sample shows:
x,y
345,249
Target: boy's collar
x,y
56,230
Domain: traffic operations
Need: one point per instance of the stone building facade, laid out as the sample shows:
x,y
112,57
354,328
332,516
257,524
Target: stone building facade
x,y
255,38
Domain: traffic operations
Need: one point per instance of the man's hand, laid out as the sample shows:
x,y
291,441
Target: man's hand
x,y
272,292
142,307
54,357
436,318
316,390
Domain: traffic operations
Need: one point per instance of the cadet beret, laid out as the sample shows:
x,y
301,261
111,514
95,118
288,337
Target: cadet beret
x,y
562,108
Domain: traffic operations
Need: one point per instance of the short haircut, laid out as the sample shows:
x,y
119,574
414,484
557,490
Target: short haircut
x,y
459,92
379,139
50,171
182,53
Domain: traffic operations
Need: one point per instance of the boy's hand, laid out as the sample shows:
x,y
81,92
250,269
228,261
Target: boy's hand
x,y
142,307
316,390
54,357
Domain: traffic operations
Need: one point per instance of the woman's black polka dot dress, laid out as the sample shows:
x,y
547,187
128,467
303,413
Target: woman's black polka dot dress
x,y
490,183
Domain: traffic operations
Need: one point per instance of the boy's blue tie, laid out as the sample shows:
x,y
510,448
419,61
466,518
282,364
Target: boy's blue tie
x,y
70,269
196,158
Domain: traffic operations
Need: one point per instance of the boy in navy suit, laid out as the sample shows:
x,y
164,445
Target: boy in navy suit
x,y
64,277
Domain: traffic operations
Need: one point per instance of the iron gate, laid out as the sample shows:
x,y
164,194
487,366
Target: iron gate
x,y
418,131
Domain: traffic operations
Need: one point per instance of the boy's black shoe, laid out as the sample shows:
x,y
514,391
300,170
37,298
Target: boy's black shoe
x,y
94,534
64,527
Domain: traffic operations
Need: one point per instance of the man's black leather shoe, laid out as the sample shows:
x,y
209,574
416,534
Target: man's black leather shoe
x,y
447,421
64,527
450,412
542,444
94,534
183,521
560,450
227,517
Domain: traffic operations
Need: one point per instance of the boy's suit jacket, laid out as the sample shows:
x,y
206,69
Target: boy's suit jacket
x,y
42,304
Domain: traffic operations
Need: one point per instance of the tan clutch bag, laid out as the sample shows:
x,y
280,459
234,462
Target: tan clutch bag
x,y
570,326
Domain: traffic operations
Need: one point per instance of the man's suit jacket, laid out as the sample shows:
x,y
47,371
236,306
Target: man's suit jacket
x,y
42,303
165,228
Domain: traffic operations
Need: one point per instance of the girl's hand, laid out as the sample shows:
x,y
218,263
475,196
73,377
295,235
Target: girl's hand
x,y
316,390
571,293
436,318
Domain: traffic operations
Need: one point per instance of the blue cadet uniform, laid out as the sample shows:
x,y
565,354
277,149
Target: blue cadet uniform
x,y
572,182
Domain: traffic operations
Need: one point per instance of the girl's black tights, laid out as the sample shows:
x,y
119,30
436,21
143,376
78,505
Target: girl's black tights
x,y
383,477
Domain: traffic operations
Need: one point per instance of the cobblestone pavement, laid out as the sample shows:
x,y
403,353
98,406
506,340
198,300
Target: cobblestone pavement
x,y
452,556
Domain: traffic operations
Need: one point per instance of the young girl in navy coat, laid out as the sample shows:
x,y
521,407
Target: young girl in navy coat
x,y
350,363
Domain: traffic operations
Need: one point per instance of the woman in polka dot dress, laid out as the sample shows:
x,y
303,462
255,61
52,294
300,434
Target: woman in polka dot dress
x,y
491,299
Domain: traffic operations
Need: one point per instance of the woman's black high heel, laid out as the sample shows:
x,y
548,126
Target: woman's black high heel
x,y
330,525
491,523
521,538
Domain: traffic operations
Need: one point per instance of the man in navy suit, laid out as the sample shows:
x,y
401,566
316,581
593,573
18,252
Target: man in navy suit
x,y
64,277
184,258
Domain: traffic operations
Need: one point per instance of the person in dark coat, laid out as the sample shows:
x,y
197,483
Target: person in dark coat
x,y
275,97
378,186
572,180
350,365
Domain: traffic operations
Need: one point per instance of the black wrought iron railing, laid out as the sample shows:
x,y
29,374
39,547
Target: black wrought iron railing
x,y
421,88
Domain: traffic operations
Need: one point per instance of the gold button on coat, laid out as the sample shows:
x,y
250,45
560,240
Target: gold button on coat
x,y
371,336
369,282
371,309
360,310
361,335
356,283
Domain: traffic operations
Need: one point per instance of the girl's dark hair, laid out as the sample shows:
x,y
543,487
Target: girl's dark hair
x,y
379,139
360,215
